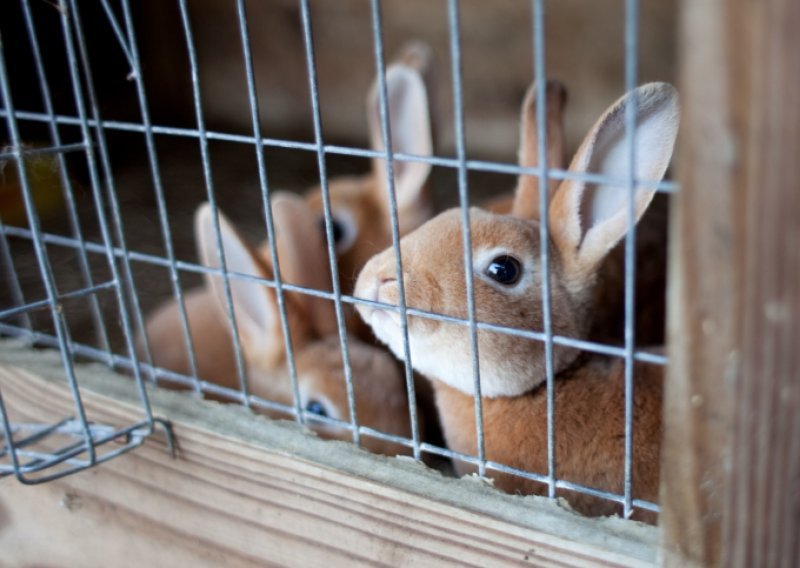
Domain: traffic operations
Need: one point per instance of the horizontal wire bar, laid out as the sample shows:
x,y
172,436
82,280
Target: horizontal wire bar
x,y
585,345
41,304
79,446
59,149
476,165
79,465
543,479
36,432
211,388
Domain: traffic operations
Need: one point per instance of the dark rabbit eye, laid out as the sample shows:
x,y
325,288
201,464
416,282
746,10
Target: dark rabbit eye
x,y
504,269
336,227
316,407
344,230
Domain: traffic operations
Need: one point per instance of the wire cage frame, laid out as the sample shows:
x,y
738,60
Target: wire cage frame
x,y
86,440
86,444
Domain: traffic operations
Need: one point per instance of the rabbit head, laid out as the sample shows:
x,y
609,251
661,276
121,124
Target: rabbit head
x,y
586,220
379,387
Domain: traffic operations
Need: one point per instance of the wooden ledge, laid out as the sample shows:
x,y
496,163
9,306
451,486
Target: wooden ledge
x,y
244,490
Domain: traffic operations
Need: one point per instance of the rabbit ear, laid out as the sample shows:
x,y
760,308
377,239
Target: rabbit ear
x,y
410,126
255,305
587,218
418,56
526,199
302,258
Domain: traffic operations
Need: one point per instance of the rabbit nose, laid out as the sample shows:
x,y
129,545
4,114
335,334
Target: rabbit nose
x,y
387,289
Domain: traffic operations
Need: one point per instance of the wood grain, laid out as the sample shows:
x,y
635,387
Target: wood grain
x,y
730,464
245,491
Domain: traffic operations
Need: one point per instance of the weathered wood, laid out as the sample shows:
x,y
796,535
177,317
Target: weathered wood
x,y
247,491
584,50
731,459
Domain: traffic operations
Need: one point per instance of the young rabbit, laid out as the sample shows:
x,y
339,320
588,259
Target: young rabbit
x,y
586,220
380,392
360,216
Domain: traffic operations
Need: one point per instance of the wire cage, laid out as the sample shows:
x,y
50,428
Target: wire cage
x,y
77,131
75,441
122,117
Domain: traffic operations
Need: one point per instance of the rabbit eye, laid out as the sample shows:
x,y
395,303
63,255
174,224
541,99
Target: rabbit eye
x,y
338,231
343,231
336,227
316,407
504,269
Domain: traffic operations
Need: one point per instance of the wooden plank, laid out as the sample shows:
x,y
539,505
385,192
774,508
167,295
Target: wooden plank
x,y
247,491
730,461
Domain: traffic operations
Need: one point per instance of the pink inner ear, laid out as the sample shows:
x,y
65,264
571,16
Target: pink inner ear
x,y
654,136
597,212
410,125
252,307
250,299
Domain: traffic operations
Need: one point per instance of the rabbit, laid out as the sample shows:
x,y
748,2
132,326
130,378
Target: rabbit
x,y
586,221
380,391
360,217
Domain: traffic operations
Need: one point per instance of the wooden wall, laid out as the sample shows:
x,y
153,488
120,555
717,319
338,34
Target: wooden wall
x,y
731,462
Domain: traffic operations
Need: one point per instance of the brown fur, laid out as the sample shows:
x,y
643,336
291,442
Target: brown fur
x,y
589,433
379,387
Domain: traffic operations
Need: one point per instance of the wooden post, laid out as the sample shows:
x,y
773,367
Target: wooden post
x,y
731,461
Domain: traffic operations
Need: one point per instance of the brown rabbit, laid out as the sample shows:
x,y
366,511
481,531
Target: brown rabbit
x,y
586,221
380,392
360,216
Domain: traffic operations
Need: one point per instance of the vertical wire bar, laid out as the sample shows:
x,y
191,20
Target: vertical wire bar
x,y
544,232
383,94
7,433
326,206
161,205
265,198
66,183
42,257
463,197
122,40
102,149
17,296
99,202
212,201
631,61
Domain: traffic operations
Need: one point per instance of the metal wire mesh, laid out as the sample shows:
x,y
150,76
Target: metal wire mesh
x,y
79,131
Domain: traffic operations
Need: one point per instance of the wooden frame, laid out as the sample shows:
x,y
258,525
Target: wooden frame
x,y
247,491
731,458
